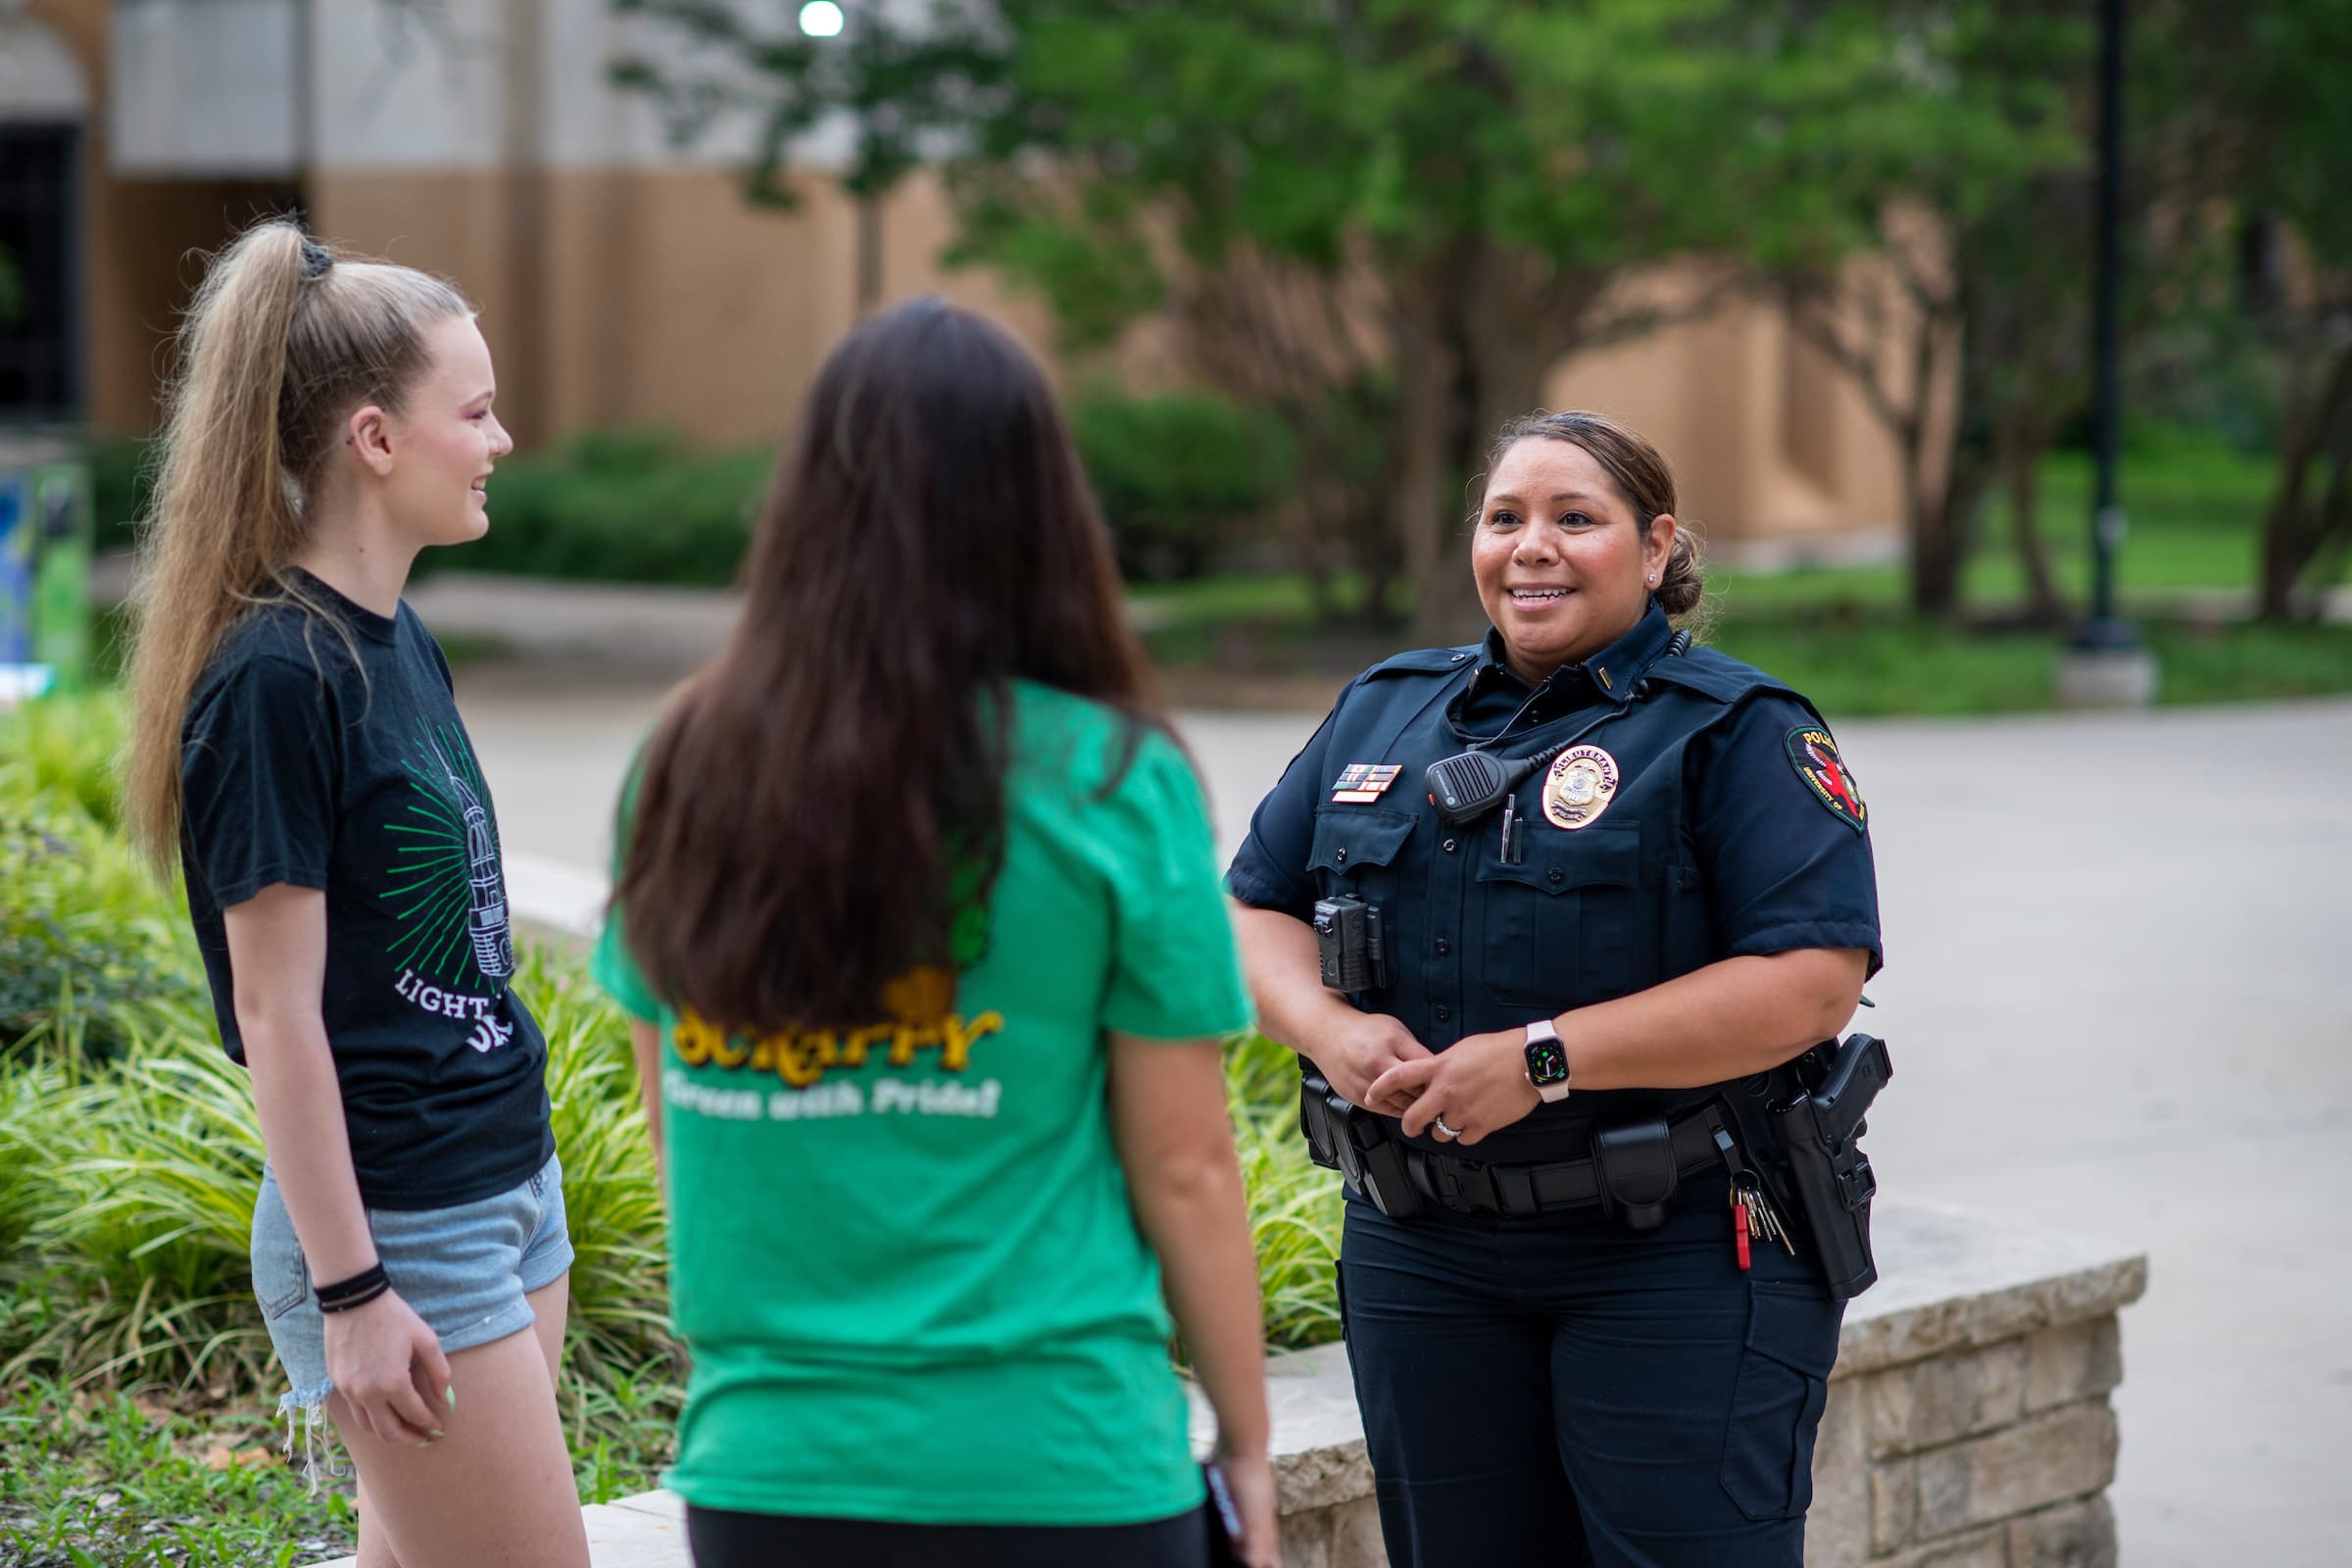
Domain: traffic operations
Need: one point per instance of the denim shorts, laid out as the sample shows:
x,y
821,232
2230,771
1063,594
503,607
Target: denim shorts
x,y
464,1270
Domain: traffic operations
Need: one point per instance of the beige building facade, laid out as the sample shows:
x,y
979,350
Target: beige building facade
x,y
626,284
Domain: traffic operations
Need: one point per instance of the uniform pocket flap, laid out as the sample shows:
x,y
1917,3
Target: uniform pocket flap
x,y
1346,839
1555,861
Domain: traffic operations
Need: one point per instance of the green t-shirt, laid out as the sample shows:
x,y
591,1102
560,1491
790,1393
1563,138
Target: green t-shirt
x,y
903,1259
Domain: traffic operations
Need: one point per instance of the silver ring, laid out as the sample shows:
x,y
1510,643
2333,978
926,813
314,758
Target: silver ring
x,y
1443,1131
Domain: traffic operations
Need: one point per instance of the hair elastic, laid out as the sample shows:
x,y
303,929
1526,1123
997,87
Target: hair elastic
x,y
315,260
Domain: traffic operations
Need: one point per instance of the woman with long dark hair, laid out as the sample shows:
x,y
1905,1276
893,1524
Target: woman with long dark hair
x,y
919,923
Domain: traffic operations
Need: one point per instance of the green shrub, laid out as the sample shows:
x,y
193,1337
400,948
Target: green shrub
x,y
93,951
64,749
90,946
1294,1208
618,507
120,477
158,1166
130,1154
1178,475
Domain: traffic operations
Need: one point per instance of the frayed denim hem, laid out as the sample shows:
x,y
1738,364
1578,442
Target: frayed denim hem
x,y
318,1438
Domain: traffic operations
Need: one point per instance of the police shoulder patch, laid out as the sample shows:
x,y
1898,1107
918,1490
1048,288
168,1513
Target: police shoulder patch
x,y
1814,755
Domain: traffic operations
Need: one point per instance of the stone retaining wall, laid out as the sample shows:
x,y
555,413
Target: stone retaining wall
x,y
1968,1423
1967,1427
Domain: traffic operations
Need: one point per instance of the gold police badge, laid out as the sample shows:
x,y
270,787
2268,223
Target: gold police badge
x,y
1580,786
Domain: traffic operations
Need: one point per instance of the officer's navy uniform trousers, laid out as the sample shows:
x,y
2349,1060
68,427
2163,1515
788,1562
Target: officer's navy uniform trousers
x,y
1557,1389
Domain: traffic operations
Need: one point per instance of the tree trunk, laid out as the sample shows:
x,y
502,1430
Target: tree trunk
x,y
1425,378
2017,457
1937,545
1934,540
2293,530
1508,318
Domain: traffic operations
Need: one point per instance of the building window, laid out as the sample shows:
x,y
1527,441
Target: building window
x,y
40,338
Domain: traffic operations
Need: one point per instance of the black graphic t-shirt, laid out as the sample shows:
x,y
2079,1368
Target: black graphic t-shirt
x,y
305,766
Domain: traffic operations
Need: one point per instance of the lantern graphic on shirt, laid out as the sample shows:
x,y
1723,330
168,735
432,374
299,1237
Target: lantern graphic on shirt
x,y
486,900
443,885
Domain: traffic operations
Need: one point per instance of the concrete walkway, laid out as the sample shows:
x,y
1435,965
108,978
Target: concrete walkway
x,y
2117,999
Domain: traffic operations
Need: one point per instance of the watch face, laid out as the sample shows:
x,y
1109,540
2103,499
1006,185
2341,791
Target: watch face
x,y
1547,1063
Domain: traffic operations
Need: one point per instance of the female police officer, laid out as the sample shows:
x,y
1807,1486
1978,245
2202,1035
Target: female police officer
x,y
1563,1354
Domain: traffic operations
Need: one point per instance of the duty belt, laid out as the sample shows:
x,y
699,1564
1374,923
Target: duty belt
x,y
1634,1173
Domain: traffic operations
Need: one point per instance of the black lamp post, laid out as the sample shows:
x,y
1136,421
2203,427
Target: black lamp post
x,y
2104,632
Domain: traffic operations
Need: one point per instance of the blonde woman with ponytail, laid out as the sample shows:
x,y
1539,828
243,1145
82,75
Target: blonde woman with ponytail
x,y
298,753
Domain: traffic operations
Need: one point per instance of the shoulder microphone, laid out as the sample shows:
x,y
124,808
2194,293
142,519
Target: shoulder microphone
x,y
1467,785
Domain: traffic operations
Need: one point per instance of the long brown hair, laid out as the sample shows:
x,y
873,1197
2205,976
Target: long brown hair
x,y
826,795
281,343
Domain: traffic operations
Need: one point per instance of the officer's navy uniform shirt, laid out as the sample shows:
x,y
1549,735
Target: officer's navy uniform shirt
x,y
1713,845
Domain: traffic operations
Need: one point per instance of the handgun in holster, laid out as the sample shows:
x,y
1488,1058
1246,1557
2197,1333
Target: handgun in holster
x,y
1344,1137
1801,1126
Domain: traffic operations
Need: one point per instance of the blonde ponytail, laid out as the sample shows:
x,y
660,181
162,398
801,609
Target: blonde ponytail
x,y
280,344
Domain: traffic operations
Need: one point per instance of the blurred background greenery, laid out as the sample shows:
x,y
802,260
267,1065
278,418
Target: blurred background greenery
x,y
1298,263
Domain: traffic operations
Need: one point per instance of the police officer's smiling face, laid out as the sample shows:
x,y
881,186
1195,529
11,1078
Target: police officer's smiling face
x,y
1562,566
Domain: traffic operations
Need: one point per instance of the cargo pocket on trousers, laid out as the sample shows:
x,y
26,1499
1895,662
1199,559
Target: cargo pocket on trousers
x,y
1777,1400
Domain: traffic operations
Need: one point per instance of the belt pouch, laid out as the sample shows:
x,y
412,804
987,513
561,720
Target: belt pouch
x,y
1635,1166
1382,1174
1316,1122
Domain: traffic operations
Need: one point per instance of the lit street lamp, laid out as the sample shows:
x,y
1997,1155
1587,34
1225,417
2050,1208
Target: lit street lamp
x,y
822,18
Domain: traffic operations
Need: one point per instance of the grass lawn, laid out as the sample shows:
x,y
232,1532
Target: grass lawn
x,y
110,1478
1840,634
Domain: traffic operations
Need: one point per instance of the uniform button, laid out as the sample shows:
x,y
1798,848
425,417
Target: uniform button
x,y
1443,947
1340,857
1552,875
1449,846
1458,657
1444,1014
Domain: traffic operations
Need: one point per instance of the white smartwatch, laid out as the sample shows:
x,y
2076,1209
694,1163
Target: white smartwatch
x,y
1546,1061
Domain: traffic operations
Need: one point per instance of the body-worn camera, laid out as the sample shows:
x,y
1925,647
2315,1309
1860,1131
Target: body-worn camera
x,y
1350,944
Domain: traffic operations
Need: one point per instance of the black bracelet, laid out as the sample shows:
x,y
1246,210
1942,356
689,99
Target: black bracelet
x,y
356,1291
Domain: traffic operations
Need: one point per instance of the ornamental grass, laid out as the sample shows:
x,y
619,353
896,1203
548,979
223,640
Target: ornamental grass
x,y
130,1154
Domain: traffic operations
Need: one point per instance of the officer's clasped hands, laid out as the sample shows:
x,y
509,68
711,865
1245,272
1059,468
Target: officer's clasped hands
x,y
1360,1050
1476,1087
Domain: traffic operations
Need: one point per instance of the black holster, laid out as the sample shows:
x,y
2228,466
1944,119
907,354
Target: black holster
x,y
1801,1126
1344,1137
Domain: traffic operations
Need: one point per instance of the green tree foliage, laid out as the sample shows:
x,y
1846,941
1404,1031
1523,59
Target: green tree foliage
x,y
1495,171
2268,139
1980,187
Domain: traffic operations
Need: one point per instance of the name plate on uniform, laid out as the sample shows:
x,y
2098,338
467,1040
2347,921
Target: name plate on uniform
x,y
1363,782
